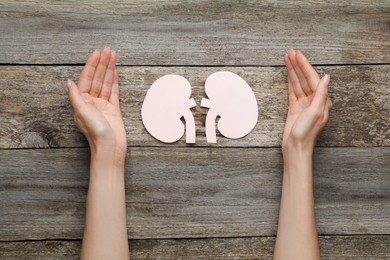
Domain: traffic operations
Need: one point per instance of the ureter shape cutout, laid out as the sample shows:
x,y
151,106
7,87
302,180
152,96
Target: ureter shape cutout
x,y
231,98
168,100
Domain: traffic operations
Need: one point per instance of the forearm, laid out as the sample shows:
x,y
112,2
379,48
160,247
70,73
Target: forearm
x,y
297,234
105,234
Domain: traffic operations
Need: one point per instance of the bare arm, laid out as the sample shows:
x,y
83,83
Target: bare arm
x,y
309,108
95,102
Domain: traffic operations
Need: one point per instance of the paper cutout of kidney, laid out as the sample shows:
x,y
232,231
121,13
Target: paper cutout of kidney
x,y
232,99
165,103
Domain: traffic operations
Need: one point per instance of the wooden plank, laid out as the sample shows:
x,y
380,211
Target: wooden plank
x,y
192,192
35,112
332,247
195,32
40,250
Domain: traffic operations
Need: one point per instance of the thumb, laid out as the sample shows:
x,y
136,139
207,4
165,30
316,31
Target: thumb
x,y
321,93
74,95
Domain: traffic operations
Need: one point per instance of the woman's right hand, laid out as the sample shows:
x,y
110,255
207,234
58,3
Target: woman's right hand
x,y
309,104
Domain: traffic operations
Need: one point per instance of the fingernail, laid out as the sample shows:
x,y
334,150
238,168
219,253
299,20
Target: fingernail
x,y
327,78
68,83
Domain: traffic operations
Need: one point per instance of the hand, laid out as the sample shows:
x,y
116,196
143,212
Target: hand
x,y
309,104
95,103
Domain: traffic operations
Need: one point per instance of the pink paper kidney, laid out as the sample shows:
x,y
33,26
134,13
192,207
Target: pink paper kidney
x,y
166,102
233,100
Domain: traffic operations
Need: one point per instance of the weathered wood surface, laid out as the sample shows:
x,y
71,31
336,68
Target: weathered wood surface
x,y
195,32
192,192
332,247
178,191
35,111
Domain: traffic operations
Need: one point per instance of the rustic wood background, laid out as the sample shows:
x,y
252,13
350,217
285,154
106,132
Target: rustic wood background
x,y
194,201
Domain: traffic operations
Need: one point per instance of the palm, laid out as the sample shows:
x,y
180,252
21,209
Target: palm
x,y
104,109
295,114
107,110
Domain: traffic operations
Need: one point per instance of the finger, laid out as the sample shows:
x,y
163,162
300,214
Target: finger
x,y
114,98
304,84
291,94
329,103
321,95
328,108
108,78
100,72
75,97
308,71
293,76
86,76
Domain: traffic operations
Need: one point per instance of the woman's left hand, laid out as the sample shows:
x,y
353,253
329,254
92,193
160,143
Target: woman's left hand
x,y
95,102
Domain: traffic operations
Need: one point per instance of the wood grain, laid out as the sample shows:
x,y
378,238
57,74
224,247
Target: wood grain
x,y
332,247
201,201
35,111
195,32
192,192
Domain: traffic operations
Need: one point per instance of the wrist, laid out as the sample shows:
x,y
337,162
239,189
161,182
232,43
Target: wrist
x,y
297,149
297,158
108,153
106,170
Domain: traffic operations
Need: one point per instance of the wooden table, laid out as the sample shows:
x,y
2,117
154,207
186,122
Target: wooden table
x,y
202,201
